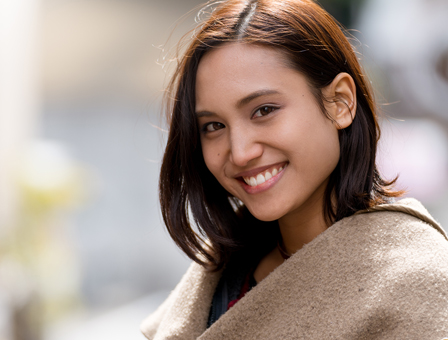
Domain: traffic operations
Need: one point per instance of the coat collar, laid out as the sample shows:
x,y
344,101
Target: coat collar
x,y
315,273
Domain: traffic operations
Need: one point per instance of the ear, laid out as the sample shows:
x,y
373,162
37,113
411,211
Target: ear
x,y
340,100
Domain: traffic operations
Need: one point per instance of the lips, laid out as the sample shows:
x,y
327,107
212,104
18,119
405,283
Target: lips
x,y
263,176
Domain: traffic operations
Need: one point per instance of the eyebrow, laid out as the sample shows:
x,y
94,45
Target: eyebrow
x,y
244,101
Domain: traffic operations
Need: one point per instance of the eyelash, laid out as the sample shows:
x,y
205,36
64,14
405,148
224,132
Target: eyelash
x,y
271,108
205,127
254,115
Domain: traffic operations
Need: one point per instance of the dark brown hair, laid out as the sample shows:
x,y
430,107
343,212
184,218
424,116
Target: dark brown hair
x,y
314,45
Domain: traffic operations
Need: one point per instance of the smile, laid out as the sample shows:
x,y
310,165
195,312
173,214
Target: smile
x,y
264,176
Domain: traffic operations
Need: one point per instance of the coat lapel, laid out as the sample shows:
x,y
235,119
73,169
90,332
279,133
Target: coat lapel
x,y
184,314
318,291
265,312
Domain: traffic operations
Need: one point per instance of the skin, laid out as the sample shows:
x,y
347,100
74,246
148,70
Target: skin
x,y
255,112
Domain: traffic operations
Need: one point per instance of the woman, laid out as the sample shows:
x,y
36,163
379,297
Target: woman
x,y
271,152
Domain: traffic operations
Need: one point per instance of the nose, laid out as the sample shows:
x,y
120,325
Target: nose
x,y
244,147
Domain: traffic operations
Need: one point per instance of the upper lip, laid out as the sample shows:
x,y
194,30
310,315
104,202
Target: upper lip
x,y
256,171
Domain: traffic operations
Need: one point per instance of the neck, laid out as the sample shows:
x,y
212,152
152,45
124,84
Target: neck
x,y
298,232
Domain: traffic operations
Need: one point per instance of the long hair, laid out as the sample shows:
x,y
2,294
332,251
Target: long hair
x,y
314,45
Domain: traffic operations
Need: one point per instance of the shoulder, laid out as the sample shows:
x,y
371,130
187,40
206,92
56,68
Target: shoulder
x,y
391,244
392,261
403,229
408,209
406,251
401,224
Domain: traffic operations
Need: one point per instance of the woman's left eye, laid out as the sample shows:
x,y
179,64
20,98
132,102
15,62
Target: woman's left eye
x,y
263,111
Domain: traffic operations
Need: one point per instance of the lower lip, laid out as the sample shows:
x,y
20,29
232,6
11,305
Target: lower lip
x,y
264,186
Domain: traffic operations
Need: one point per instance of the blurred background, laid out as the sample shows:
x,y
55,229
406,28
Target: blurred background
x,y
83,252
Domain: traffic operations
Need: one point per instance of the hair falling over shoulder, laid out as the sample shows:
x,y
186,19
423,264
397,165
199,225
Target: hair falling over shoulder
x,y
204,220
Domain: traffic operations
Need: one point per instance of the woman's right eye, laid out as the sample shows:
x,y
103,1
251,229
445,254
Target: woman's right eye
x,y
213,126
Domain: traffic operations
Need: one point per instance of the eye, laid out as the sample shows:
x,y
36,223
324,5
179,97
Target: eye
x,y
264,111
213,126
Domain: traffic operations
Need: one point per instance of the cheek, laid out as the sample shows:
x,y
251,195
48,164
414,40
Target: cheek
x,y
212,159
326,151
315,145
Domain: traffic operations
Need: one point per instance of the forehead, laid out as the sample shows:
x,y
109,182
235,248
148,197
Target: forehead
x,y
235,69
238,56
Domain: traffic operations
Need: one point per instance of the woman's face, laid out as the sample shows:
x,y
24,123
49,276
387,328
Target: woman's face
x,y
263,134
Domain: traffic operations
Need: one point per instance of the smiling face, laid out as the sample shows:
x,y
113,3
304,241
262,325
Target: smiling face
x,y
263,135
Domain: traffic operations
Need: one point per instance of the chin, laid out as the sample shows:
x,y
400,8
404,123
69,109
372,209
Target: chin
x,y
265,215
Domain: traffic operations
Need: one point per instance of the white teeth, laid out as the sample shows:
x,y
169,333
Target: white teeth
x,y
253,182
260,179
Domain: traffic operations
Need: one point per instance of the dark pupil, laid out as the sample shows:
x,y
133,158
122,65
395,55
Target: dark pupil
x,y
265,110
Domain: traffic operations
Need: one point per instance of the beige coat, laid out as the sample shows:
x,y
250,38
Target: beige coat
x,y
381,274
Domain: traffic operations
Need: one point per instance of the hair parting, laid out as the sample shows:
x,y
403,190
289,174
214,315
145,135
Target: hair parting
x,y
245,18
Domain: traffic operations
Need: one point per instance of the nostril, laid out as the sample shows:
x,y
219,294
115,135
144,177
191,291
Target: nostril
x,y
242,152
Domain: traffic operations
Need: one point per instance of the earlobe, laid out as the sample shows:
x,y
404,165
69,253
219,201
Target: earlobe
x,y
340,100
